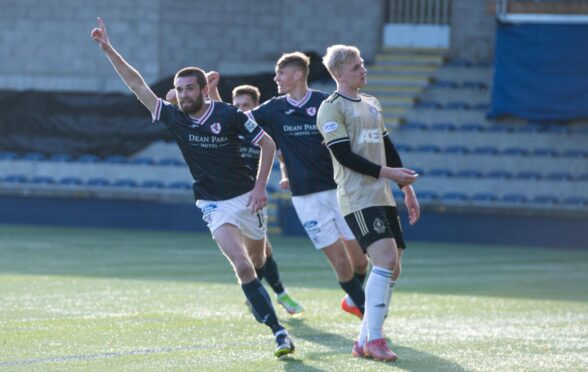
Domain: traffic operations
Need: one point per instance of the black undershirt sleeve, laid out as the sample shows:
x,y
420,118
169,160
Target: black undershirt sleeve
x,y
347,158
392,157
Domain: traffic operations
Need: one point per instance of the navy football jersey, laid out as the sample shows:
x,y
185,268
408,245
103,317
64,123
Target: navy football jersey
x,y
292,125
211,147
250,154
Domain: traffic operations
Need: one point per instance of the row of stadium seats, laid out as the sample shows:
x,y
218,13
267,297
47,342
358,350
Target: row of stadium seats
x,y
448,84
454,105
498,127
489,198
93,182
503,174
89,158
493,150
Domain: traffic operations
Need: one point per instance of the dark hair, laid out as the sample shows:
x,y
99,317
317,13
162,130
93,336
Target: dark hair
x,y
295,59
196,72
249,90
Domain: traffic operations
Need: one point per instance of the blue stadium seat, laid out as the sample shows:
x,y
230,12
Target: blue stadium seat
x,y
33,156
471,127
428,105
170,161
480,106
443,127
71,181
557,129
443,84
15,178
575,153
125,182
42,180
581,130
427,196
142,160
459,63
514,198
498,173
485,150
180,185
560,176
499,128
545,199
414,125
439,172
115,159
152,184
528,175
582,177
402,148
457,105
60,157
517,151
88,158
576,200
8,155
454,197
544,152
469,173
484,197
529,128
474,85
457,149
98,182
427,148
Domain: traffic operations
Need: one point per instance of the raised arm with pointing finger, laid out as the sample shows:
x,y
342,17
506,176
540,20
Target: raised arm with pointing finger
x,y
128,74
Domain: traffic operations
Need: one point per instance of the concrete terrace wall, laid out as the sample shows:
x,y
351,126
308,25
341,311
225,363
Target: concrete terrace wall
x,y
45,45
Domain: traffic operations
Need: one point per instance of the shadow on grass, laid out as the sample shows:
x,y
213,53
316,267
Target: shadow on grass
x,y
409,359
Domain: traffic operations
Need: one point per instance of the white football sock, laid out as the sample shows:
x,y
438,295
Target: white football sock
x,y
376,296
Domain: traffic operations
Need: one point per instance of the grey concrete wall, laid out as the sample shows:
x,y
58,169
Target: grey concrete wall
x,y
473,31
46,45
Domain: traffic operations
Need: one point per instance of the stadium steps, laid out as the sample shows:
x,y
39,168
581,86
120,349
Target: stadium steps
x,y
398,76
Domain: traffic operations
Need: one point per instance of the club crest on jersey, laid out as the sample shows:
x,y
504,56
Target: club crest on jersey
x,y
330,126
311,111
379,226
215,128
374,111
250,125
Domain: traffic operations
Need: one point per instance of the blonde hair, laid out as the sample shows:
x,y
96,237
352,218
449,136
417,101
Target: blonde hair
x,y
338,55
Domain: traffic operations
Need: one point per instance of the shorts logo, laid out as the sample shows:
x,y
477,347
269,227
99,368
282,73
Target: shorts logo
x,y
311,111
311,227
250,125
379,226
330,126
215,128
207,212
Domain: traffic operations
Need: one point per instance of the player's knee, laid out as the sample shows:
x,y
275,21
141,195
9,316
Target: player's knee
x,y
244,270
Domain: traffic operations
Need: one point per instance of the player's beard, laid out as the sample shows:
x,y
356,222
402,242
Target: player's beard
x,y
192,107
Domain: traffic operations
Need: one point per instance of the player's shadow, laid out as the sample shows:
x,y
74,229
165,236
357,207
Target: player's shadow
x,y
410,359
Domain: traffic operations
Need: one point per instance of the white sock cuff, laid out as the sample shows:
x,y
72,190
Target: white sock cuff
x,y
382,272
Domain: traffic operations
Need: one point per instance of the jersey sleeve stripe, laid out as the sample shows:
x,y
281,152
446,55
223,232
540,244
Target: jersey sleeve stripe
x,y
155,115
337,140
258,137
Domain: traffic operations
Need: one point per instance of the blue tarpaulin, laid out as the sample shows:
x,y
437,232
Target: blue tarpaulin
x,y
541,72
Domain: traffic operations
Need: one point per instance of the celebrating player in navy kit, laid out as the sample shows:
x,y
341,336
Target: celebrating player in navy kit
x,y
228,195
291,121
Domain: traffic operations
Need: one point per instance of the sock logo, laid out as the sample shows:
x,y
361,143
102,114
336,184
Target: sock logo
x,y
382,305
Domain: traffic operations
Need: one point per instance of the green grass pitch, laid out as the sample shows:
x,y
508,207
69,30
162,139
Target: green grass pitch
x,y
101,300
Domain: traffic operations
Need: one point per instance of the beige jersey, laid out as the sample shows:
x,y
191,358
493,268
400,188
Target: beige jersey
x,y
360,122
